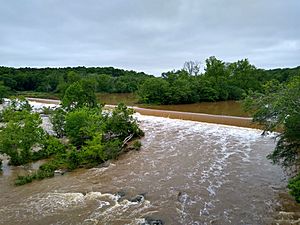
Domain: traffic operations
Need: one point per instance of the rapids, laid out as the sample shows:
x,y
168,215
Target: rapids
x,y
186,173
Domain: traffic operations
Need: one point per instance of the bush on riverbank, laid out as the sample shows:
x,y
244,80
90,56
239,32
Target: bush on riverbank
x,y
95,137
21,133
294,186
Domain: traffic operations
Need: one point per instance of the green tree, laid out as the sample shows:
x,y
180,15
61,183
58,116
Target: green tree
x,y
80,94
4,91
57,119
154,90
121,124
93,152
82,123
217,72
20,135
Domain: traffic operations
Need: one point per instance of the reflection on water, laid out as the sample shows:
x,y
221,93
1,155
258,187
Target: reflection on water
x,y
229,108
186,173
116,98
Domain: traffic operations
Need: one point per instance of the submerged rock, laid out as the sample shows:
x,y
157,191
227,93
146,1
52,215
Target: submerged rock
x,y
150,221
138,198
121,193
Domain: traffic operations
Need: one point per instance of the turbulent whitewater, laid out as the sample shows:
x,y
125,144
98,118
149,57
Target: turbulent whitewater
x,y
185,173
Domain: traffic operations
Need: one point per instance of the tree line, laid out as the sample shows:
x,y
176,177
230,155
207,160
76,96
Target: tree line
x,y
106,79
219,81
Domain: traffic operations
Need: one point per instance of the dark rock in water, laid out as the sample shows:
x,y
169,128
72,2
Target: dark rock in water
x,y
105,164
138,198
84,193
120,193
179,196
143,194
150,221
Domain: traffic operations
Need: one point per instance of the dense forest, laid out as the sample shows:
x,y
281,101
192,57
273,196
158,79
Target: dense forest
x,y
106,79
218,81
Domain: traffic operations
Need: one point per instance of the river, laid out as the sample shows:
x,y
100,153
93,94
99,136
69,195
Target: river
x,y
228,108
186,173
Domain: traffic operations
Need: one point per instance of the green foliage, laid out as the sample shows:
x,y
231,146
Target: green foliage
x,y
51,146
4,91
59,79
221,81
20,135
79,94
81,124
46,110
73,158
16,110
38,175
136,145
154,90
112,148
95,136
21,180
57,119
93,152
121,123
294,186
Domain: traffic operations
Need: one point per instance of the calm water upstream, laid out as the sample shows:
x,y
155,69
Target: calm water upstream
x,y
229,108
188,172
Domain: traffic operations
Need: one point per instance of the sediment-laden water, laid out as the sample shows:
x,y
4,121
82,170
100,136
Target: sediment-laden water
x,y
186,173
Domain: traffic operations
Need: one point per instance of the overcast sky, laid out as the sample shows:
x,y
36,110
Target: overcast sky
x,y
148,35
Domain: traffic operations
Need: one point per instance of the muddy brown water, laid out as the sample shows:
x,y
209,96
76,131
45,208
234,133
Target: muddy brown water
x,y
188,172
228,108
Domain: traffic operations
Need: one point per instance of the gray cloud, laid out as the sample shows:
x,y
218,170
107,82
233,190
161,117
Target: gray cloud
x,y
148,35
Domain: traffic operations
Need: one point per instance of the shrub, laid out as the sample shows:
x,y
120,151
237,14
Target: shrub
x,y
121,123
19,136
57,119
93,152
82,124
137,145
21,180
80,94
294,186
51,146
74,159
112,148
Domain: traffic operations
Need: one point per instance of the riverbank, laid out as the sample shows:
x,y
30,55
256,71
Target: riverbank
x,y
200,117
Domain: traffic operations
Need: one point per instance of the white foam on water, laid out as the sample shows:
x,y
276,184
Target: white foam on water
x,y
228,143
38,106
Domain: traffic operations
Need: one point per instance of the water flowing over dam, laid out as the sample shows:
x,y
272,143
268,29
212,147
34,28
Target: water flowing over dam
x,y
185,173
